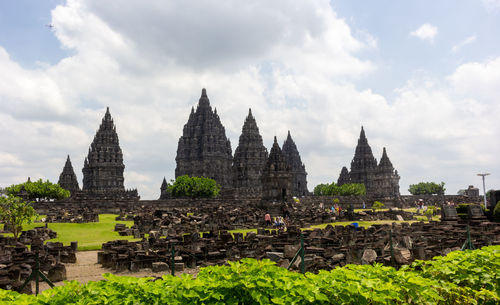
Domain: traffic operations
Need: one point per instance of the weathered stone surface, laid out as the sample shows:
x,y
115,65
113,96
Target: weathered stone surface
x,y
297,168
203,149
379,179
67,179
344,177
159,267
274,256
369,256
57,273
249,160
403,256
276,178
290,250
103,167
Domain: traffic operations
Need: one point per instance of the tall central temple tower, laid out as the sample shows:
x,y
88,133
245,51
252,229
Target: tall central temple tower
x,y
203,149
103,167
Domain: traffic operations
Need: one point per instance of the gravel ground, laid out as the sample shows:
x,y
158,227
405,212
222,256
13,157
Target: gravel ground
x,y
86,269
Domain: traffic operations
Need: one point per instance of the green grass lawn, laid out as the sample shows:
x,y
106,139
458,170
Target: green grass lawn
x,y
90,236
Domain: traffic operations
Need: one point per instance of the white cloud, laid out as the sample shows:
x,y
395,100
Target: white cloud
x,y
426,32
294,63
463,43
491,5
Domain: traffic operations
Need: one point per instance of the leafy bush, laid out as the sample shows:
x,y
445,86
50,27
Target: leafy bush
x,y
194,187
349,189
427,188
496,211
38,190
377,205
444,280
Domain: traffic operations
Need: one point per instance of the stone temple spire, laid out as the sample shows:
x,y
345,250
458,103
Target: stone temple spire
x,y
249,160
276,178
344,177
298,170
387,179
163,189
67,179
363,165
203,149
103,167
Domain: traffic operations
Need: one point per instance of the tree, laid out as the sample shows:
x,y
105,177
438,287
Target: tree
x,y
194,187
349,189
14,212
427,188
38,190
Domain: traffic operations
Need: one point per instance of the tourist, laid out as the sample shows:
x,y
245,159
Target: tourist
x,y
267,218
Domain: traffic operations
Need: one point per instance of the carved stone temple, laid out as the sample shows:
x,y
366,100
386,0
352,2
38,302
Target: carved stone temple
x,y
103,167
250,157
277,177
67,179
297,168
380,179
203,149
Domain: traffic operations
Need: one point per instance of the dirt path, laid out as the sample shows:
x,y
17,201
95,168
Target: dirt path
x,y
86,269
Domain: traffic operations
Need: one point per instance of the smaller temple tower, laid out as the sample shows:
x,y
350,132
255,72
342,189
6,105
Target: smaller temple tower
x,y
276,178
163,189
297,168
344,177
363,165
386,181
250,157
67,179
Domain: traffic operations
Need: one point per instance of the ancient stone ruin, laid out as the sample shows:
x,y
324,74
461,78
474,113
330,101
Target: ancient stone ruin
x,y
324,248
203,149
67,179
380,180
249,160
297,168
277,177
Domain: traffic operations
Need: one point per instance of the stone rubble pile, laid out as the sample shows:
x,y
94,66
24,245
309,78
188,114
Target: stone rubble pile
x,y
17,262
324,248
62,215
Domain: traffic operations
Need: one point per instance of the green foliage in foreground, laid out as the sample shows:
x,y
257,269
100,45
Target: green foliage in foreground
x,y
441,281
194,187
349,189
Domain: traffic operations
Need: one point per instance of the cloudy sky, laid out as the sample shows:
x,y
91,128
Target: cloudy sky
x,y
422,77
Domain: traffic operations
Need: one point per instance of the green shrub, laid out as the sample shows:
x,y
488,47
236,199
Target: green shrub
x,y
377,205
496,211
462,277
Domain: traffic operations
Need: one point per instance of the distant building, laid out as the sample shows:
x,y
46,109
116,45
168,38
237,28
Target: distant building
x,y
297,168
67,179
250,158
379,179
471,191
277,177
103,167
